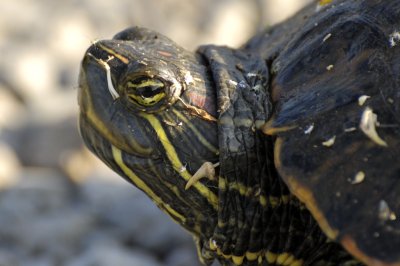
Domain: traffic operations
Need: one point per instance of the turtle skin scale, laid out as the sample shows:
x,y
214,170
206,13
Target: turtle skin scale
x,y
298,132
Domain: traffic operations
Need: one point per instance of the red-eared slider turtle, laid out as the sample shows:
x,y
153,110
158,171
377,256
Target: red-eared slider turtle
x,y
283,152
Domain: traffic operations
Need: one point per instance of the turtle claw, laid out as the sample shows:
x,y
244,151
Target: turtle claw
x,y
207,169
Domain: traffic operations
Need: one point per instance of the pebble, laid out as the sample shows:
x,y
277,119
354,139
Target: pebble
x,y
9,166
7,257
11,109
112,253
118,205
182,256
44,143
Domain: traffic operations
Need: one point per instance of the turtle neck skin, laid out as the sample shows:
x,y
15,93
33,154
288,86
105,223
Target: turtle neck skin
x,y
259,221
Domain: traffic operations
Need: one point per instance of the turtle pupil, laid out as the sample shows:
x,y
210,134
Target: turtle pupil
x,y
149,91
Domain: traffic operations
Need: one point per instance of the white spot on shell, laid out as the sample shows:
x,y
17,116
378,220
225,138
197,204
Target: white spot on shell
x,y
362,99
329,142
367,125
309,129
385,213
350,129
326,37
329,68
394,38
357,178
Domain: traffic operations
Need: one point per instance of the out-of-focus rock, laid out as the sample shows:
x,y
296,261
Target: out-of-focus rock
x,y
45,144
7,257
9,166
81,166
152,229
103,190
182,256
105,253
35,74
226,28
36,215
11,109
38,261
131,215
277,11
37,191
57,234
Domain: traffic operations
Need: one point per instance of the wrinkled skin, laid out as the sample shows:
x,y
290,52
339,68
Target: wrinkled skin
x,y
282,119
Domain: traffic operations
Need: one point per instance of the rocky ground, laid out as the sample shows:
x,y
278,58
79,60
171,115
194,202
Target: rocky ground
x,y
58,204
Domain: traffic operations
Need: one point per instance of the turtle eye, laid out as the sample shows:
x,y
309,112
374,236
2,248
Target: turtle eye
x,y
145,91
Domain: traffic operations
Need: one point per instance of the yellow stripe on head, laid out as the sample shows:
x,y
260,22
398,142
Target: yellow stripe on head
x,y
113,53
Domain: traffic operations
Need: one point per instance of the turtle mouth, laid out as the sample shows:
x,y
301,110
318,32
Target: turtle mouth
x,y
103,148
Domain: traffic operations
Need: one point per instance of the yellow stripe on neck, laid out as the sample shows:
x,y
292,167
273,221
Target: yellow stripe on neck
x,y
176,163
197,133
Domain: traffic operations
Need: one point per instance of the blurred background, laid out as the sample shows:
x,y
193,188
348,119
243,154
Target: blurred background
x,y
58,204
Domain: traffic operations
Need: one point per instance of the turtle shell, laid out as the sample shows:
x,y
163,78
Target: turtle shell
x,y
336,93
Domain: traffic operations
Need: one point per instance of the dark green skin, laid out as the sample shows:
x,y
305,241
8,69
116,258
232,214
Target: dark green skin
x,y
289,88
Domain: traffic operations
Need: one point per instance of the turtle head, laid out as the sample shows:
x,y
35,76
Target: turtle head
x,y
147,110
156,113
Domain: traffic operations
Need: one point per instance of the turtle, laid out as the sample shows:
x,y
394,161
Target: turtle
x,y
284,151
